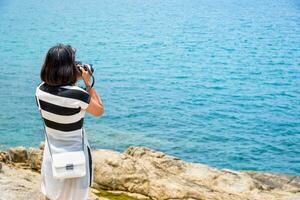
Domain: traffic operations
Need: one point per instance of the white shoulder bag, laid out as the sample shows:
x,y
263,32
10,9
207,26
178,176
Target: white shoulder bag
x,y
68,164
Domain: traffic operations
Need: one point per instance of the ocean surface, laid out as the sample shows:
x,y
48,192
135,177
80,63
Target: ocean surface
x,y
215,82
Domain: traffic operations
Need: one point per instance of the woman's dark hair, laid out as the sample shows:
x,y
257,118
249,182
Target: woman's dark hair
x,y
59,66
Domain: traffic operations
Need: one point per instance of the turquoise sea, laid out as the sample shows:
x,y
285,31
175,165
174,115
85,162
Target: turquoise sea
x,y
216,82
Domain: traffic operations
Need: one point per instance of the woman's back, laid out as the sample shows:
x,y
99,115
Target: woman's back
x,y
63,110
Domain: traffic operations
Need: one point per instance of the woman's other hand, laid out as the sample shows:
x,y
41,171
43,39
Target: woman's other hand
x,y
85,76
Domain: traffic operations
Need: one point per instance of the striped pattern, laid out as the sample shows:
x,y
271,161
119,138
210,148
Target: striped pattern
x,y
62,107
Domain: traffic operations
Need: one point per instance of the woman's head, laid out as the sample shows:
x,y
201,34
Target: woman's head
x,y
59,66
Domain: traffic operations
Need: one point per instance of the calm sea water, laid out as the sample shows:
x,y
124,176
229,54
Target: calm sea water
x,y
215,82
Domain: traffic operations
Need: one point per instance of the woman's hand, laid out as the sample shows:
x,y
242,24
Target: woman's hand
x,y
85,76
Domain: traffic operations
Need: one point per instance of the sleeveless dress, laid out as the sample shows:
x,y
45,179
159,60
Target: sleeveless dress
x,y
63,110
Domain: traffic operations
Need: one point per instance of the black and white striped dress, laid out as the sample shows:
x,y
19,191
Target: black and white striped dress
x,y
63,110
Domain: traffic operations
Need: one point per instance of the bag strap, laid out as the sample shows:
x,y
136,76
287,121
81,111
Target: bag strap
x,y
47,138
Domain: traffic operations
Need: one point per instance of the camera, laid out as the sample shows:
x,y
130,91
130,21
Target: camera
x,y
86,67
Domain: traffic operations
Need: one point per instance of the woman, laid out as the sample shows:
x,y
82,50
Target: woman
x,y
63,106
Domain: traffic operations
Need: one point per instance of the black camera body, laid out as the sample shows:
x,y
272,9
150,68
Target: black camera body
x,y
86,67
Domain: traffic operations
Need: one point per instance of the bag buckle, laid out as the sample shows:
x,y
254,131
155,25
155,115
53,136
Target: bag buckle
x,y
69,167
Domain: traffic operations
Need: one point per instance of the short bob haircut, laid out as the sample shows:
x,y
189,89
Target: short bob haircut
x,y
59,66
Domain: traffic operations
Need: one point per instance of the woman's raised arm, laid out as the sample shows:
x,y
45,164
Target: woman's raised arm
x,y
95,107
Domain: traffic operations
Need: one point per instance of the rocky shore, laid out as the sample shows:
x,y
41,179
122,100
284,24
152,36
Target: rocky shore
x,y
143,173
